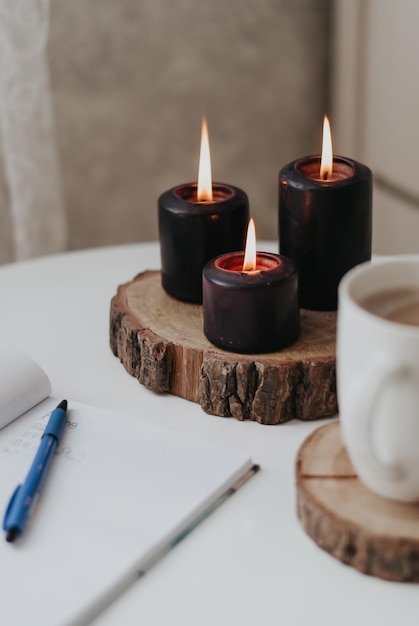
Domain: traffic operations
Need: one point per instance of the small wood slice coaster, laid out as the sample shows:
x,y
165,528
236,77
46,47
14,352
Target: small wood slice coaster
x,y
377,536
161,342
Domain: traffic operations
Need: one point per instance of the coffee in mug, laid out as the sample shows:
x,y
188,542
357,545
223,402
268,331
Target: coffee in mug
x,y
400,304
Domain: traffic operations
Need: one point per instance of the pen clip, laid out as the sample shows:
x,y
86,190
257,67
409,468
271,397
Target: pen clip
x,y
9,507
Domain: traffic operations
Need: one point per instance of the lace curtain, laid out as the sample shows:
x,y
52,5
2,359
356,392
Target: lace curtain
x,y
29,153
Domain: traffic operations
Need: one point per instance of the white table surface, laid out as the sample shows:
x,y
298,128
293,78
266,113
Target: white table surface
x,y
250,562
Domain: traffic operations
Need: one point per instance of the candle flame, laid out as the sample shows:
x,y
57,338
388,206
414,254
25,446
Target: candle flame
x,y
249,263
204,191
326,165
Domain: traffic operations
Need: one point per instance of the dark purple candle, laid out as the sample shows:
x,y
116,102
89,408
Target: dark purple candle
x,y
198,222
325,224
252,311
191,233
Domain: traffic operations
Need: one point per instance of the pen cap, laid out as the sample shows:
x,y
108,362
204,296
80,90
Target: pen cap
x,y
56,423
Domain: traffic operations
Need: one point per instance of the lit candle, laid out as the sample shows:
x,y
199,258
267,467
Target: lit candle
x,y
325,221
198,222
250,300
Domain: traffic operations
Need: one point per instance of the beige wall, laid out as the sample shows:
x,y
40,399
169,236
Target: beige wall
x,y
132,78
376,104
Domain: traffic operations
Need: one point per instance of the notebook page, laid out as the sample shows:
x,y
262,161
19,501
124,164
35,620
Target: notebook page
x,y
118,493
23,383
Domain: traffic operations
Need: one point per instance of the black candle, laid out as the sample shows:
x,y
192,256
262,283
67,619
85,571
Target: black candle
x,y
325,224
198,222
192,233
251,311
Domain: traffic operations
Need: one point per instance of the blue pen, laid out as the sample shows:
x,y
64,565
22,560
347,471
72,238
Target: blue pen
x,y
25,495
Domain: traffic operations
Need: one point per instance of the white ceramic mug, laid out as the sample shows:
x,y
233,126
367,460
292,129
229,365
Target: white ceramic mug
x,y
378,380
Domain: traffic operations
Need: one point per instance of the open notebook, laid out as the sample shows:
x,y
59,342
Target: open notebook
x,y
119,495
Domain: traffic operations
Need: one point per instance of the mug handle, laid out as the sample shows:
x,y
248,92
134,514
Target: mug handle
x,y
365,392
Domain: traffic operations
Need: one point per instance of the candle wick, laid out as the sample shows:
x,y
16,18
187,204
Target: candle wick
x,y
326,176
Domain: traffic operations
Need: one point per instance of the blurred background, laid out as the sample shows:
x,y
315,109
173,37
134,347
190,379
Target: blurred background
x,y
101,104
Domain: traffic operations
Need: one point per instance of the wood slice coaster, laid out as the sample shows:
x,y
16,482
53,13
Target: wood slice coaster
x,y
161,342
377,536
